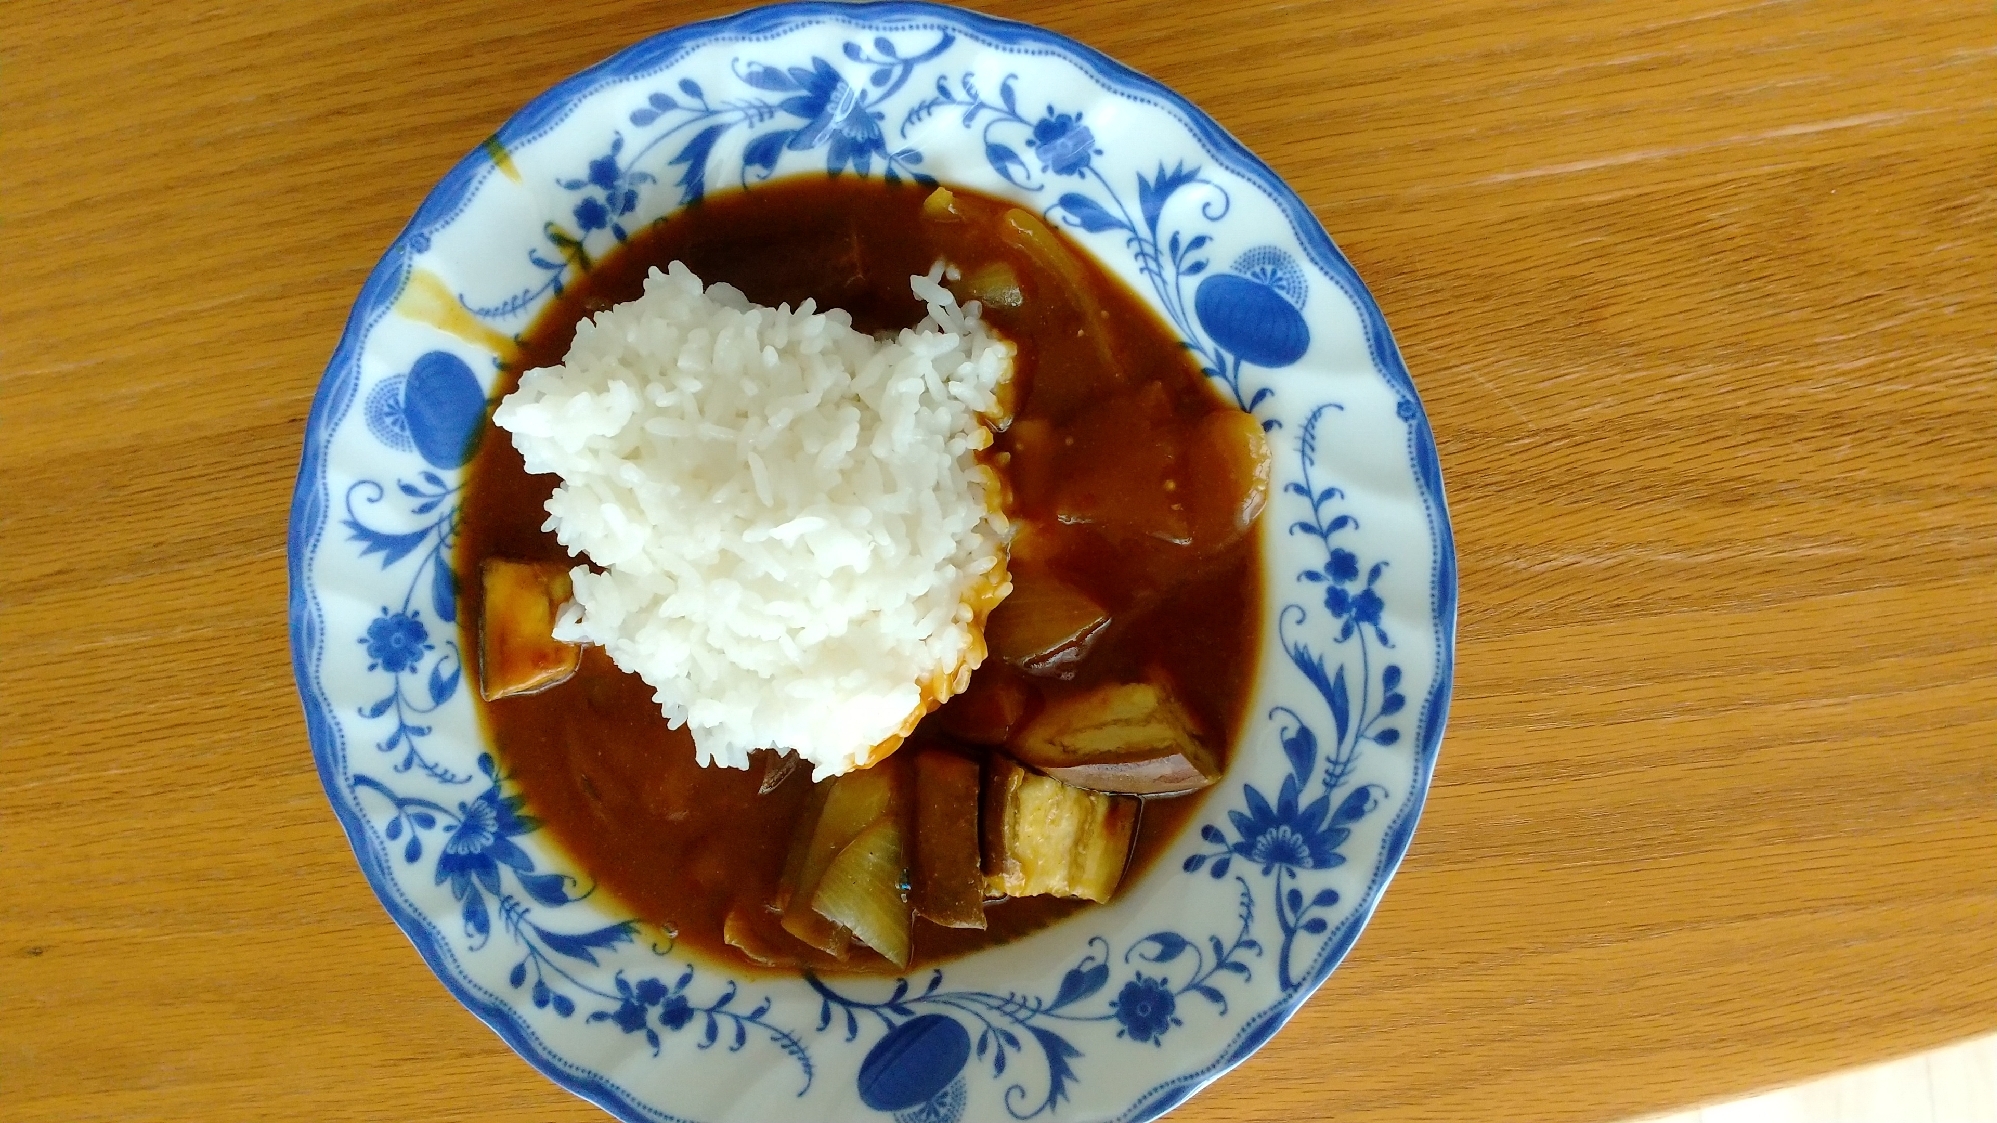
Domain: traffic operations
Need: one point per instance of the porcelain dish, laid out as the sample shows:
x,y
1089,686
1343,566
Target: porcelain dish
x,y
1116,1014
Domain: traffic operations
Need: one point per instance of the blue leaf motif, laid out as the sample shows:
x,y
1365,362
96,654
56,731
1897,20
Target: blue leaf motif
x,y
442,686
585,945
691,88
1168,946
1008,163
693,181
641,118
392,547
477,922
663,103
1152,193
769,78
1211,995
1089,214
1059,1071
1362,800
1300,745
1079,984
547,888
764,151
1341,704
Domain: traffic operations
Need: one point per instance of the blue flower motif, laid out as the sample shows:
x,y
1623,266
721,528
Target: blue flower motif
x,y
675,1012
1356,608
613,192
481,841
629,1016
591,214
1366,607
603,171
833,110
396,642
1145,1008
1286,835
1065,144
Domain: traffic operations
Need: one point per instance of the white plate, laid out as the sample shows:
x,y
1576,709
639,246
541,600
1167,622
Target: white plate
x,y
1118,1013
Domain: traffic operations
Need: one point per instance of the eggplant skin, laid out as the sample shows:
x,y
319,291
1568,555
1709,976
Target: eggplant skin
x,y
1129,738
1044,837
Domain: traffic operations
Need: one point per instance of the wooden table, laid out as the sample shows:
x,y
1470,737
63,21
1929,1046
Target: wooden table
x,y
1701,296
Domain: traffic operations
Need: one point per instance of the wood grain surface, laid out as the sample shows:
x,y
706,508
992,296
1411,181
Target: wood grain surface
x,y
1701,297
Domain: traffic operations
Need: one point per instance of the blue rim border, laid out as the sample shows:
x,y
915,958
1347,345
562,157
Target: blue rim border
x,y
447,199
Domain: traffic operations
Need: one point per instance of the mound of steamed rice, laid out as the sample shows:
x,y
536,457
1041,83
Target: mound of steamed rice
x,y
790,537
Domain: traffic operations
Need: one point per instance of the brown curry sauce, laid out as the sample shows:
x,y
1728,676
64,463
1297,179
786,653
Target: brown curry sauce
x,y
678,845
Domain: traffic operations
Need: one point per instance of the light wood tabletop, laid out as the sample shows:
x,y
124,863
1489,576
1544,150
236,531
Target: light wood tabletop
x,y
1700,296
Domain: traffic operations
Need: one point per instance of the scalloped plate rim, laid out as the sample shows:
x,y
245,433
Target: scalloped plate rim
x,y
308,513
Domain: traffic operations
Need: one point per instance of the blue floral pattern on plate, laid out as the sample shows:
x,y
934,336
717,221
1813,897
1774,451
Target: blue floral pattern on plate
x,y
1119,1013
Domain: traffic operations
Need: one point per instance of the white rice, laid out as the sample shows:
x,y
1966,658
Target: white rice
x,y
794,543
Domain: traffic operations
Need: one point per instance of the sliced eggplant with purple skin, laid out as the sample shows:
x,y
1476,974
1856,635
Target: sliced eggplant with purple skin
x,y
1132,738
1046,837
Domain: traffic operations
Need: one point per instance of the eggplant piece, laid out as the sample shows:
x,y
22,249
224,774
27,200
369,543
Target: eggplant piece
x,y
1046,837
1132,738
517,650
861,891
1046,626
853,803
946,879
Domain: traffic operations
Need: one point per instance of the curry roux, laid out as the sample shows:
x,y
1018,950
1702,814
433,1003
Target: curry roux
x,y
677,844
